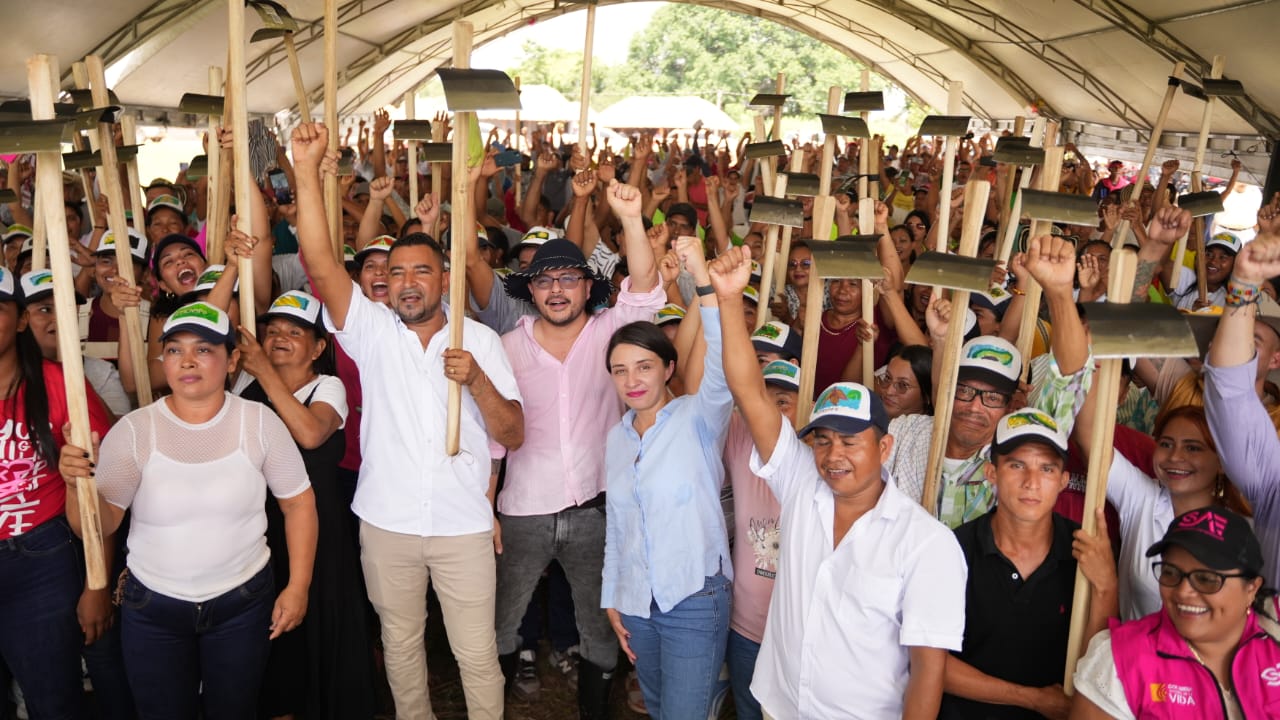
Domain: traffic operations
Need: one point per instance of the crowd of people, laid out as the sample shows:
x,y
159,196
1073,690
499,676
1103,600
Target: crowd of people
x,y
632,488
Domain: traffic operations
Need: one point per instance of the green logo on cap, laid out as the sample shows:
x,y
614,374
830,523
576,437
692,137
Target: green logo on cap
x,y
991,352
846,397
1032,417
209,276
768,331
197,311
41,278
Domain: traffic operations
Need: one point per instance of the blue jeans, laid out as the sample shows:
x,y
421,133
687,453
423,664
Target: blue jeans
x,y
679,653
741,658
174,647
40,638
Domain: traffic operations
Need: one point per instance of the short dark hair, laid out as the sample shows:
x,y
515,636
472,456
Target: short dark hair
x,y
420,239
643,334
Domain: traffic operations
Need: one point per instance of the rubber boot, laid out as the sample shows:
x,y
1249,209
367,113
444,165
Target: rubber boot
x,y
593,691
509,664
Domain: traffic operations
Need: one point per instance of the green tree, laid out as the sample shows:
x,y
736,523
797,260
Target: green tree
x,y
728,57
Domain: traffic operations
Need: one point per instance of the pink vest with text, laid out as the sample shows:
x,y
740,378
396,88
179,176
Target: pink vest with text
x,y
1163,679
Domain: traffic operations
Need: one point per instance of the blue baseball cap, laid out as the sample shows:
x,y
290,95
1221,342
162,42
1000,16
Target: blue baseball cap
x,y
847,408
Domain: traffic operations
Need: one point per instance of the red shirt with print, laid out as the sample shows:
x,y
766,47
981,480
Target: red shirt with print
x,y
31,490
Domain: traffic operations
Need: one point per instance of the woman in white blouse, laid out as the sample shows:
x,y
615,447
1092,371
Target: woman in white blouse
x,y
198,603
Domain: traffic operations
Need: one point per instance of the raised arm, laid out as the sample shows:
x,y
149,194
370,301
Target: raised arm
x,y
1051,260
643,268
1233,342
371,219
584,184
1169,224
730,273
378,158
329,277
715,213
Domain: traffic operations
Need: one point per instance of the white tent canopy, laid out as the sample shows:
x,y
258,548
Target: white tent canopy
x,y
1099,65
665,112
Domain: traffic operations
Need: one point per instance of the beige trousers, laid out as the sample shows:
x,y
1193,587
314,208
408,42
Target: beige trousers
x,y
397,569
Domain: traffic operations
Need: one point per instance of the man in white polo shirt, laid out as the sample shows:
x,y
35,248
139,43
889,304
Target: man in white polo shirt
x,y
870,591
423,513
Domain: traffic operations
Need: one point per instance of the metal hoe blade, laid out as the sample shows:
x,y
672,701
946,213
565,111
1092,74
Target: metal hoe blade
x,y
8,196
768,100
945,125
472,90
765,149
803,184
776,211
844,126
1201,203
855,259
863,101
437,152
1018,154
1223,88
1139,329
198,168
412,130
954,272
34,136
198,104
1060,207
274,15
83,99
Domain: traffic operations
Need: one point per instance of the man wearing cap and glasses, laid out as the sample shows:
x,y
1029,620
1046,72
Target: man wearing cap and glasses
x,y
551,507
870,589
1022,571
423,513
988,376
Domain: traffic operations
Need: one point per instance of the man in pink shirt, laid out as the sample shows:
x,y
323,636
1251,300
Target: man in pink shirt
x,y
552,506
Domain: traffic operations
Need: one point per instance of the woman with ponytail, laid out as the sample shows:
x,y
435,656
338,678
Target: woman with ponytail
x,y
40,575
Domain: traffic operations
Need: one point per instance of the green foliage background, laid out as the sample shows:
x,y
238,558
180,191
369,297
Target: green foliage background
x,y
722,56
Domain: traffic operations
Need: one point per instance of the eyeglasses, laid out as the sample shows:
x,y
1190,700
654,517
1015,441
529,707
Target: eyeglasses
x,y
794,264
567,282
990,398
1205,582
899,387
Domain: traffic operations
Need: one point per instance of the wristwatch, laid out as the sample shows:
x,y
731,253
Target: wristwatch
x,y
704,290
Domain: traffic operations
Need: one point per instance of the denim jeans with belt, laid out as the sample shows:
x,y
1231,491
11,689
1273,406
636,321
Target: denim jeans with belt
x,y
184,656
679,653
40,638
575,537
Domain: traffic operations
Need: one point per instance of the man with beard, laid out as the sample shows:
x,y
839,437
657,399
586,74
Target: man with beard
x,y
423,514
990,369
552,506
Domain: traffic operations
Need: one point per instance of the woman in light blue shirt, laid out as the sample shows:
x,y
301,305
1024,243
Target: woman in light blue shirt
x,y
667,571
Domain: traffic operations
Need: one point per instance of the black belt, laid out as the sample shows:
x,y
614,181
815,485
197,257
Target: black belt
x,y
595,502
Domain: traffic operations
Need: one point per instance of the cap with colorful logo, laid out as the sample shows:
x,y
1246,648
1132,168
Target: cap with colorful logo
x,y
992,360
298,307
38,285
669,313
1215,536
783,375
536,236
15,232
168,202
847,408
210,277
756,273
348,255
8,288
137,245
382,243
751,295
777,337
995,299
1225,240
206,321
1028,425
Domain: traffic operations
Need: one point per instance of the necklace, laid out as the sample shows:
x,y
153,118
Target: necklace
x,y
841,331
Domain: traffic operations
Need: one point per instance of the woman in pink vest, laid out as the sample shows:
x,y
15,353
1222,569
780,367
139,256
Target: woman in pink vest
x,y
1211,652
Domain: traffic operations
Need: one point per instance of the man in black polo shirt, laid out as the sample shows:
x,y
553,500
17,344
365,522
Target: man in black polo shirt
x,y
1022,570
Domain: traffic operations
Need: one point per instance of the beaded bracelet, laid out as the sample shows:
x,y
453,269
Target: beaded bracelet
x,y
1241,294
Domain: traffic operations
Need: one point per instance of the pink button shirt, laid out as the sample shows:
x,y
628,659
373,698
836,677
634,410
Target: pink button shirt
x,y
569,408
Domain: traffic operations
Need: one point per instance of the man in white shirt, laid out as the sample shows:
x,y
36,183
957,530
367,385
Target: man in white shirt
x,y
423,513
870,588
